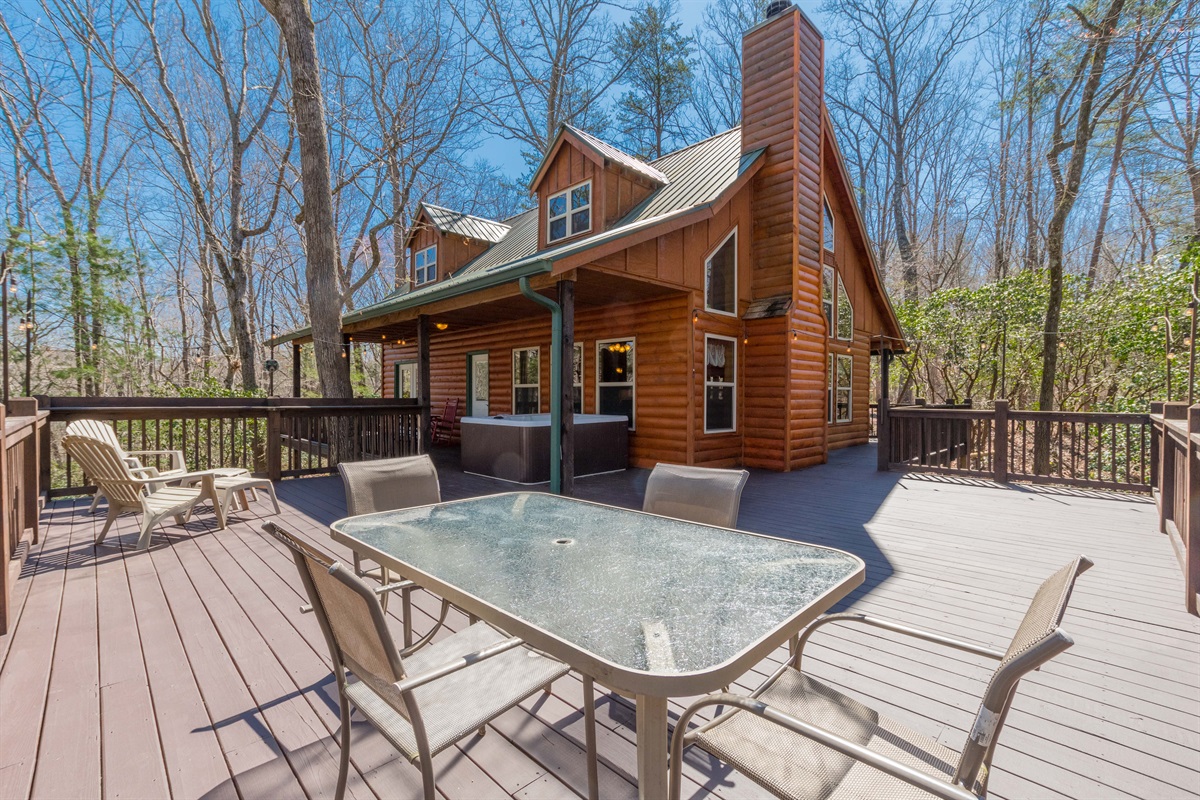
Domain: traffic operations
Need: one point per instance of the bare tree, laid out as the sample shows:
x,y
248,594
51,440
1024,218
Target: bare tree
x,y
1083,96
1174,122
717,89
160,87
905,52
320,235
546,63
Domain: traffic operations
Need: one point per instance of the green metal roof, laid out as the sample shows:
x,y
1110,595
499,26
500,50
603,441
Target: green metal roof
x,y
696,176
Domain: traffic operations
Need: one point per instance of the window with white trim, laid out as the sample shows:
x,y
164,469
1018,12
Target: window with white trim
x,y
720,277
577,380
425,265
828,227
616,387
720,384
405,379
527,397
845,312
827,283
569,213
841,387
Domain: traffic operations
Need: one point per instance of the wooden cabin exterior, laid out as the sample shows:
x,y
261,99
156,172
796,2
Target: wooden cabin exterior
x,y
725,295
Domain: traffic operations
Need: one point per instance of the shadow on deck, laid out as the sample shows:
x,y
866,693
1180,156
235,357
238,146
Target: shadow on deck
x,y
187,671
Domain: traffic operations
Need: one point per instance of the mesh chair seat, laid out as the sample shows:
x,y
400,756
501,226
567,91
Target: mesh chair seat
x,y
795,767
463,701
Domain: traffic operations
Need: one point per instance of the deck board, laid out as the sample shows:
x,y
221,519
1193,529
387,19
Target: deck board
x,y
189,672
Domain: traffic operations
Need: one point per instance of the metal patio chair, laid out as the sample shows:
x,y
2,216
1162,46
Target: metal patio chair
x,y
697,494
388,484
421,703
129,490
799,738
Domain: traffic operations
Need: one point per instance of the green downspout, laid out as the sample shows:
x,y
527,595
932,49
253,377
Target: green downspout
x,y
556,335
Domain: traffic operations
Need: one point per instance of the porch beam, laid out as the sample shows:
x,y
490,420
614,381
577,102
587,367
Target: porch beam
x,y
423,379
883,428
295,369
566,302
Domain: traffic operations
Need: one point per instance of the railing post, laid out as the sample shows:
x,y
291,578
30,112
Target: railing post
x,y
1000,445
1189,528
5,529
45,455
1156,433
30,464
274,444
1166,467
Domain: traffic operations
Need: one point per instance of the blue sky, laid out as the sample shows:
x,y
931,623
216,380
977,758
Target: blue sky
x,y
507,154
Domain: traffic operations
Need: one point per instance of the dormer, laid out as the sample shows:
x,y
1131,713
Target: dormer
x,y
585,185
441,241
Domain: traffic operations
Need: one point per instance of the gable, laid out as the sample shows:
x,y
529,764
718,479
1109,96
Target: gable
x,y
854,257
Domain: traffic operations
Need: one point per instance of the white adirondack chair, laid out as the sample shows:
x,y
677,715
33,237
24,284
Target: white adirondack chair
x,y
127,490
102,431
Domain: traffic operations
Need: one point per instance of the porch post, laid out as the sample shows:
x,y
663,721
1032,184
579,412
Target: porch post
x,y
295,369
566,301
883,428
423,379
348,352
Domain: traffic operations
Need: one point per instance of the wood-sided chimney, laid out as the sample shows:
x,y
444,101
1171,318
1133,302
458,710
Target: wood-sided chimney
x,y
783,78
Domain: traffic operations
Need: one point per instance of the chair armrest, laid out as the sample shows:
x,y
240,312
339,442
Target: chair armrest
x,y
177,459
379,592
903,772
895,627
408,684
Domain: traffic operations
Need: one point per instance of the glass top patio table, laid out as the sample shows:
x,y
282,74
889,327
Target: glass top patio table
x,y
641,593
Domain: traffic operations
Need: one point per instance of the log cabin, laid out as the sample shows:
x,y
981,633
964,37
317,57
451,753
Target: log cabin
x,y
724,298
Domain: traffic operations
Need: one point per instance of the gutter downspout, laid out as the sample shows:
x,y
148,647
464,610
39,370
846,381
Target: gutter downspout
x,y
556,336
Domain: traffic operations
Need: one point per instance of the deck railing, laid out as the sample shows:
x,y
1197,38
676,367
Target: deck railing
x,y
21,429
1103,451
274,437
1176,449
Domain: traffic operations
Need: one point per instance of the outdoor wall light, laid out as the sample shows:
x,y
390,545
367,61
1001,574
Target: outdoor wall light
x,y
441,326
695,315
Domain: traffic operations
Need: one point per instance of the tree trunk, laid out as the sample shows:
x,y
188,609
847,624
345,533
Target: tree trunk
x,y
1106,203
324,297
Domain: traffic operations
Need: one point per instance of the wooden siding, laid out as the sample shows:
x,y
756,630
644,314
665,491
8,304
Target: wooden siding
x,y
615,192
661,375
679,257
187,671
569,166
781,110
851,261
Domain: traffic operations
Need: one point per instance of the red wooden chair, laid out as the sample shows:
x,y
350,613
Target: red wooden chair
x,y
443,424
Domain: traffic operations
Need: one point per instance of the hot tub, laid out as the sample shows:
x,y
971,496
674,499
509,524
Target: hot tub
x,y
516,447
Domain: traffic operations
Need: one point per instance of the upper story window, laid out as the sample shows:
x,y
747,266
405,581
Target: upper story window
x,y
569,213
845,312
828,227
425,265
720,277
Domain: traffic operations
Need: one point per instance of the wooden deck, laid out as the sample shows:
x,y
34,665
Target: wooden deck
x,y
188,672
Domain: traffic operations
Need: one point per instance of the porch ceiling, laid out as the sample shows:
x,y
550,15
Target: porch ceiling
x,y
593,288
